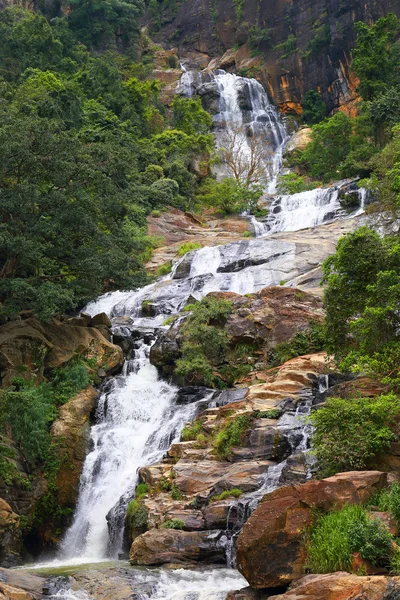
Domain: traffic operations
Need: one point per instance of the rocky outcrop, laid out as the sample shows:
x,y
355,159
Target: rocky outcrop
x,y
10,536
70,432
20,585
28,348
343,586
291,47
270,547
260,320
161,546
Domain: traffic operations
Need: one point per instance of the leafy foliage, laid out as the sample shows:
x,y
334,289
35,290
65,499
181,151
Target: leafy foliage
x,y
205,342
349,433
233,493
190,432
314,108
137,516
231,435
312,339
174,524
338,534
292,183
388,500
188,247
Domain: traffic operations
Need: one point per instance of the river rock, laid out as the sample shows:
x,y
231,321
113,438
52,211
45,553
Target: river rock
x,y
342,586
161,546
270,551
17,583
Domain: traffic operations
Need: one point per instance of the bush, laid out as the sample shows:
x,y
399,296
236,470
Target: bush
x,y
137,516
337,535
174,524
349,433
314,108
388,500
176,493
191,432
274,413
164,269
231,435
188,247
303,342
141,490
233,493
291,183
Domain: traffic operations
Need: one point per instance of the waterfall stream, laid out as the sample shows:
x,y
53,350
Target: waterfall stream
x,y
138,417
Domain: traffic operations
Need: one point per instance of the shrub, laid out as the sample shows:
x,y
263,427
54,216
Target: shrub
x,y
292,183
141,490
164,269
191,432
248,234
314,108
137,516
176,493
188,247
303,342
274,413
388,500
337,535
174,524
231,435
233,493
349,433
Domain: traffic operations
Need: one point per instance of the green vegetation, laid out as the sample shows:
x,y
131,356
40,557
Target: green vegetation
x,y
349,433
274,413
137,516
361,301
86,153
164,269
141,490
308,341
176,493
230,196
188,247
314,108
292,183
231,435
337,535
205,341
174,524
190,432
233,493
388,500
288,47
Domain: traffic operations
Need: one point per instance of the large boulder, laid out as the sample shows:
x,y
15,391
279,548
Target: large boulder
x,y
161,546
342,586
270,548
28,348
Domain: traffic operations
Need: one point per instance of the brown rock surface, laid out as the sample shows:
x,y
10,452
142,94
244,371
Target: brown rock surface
x,y
161,546
38,346
70,432
10,537
342,586
25,582
270,550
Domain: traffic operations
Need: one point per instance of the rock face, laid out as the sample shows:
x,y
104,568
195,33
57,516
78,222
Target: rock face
x,y
262,320
342,586
322,36
70,432
162,546
30,347
270,551
10,537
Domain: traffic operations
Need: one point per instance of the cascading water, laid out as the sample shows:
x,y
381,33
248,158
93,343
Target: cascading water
x,y
136,423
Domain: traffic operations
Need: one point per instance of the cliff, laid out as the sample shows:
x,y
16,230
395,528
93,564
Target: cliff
x,y
292,46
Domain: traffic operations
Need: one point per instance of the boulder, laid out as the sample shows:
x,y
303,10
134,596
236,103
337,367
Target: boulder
x,y
23,581
342,586
71,436
270,550
161,546
28,348
100,319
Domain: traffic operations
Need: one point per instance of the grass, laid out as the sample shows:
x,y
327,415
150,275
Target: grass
x,y
164,269
233,493
388,500
190,432
137,516
174,524
188,247
231,435
274,413
337,535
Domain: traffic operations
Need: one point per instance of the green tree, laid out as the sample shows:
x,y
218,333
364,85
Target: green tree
x,y
314,108
190,116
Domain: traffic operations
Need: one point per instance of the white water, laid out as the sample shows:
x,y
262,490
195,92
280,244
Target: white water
x,y
136,423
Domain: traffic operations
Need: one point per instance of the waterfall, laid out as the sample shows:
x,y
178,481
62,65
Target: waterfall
x,y
136,422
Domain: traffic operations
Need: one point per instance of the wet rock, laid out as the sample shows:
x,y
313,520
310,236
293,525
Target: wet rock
x,y
100,319
189,394
25,583
342,586
270,550
161,546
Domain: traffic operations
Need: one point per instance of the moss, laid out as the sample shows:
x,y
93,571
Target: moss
x,y
233,493
188,247
274,413
191,432
137,516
